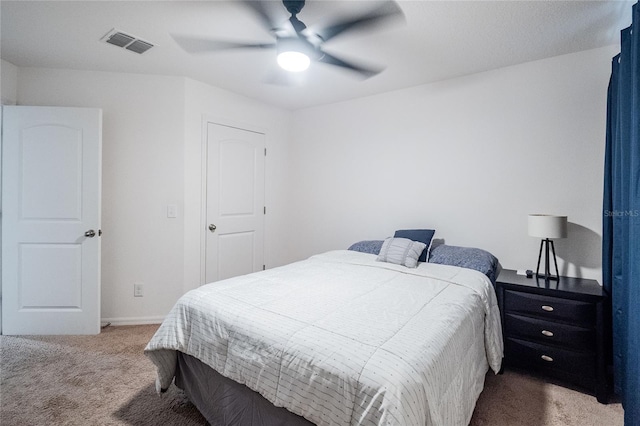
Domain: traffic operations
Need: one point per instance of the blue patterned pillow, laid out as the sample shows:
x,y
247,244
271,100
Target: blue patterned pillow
x,y
372,246
421,235
466,257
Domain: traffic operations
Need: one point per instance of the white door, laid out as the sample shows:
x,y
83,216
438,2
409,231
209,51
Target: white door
x,y
235,202
51,181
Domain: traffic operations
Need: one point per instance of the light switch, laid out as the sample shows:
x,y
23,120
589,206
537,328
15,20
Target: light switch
x,y
172,211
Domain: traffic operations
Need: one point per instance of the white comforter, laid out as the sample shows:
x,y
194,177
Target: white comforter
x,y
342,339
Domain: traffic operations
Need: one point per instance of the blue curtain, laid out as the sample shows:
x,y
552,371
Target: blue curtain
x,y
621,217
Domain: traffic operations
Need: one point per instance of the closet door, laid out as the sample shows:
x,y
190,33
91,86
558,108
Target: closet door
x,y
51,181
234,202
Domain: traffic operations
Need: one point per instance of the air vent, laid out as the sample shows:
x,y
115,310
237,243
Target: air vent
x,y
120,39
127,41
139,46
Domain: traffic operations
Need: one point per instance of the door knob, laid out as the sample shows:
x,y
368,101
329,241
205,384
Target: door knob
x,y
90,233
212,228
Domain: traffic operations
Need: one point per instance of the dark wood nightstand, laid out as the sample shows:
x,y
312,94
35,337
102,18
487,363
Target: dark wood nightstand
x,y
558,329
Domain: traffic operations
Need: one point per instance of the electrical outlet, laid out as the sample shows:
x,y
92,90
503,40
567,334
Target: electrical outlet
x,y
138,290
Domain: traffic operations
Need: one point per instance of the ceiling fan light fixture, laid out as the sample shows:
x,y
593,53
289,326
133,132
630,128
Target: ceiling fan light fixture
x,y
293,61
294,54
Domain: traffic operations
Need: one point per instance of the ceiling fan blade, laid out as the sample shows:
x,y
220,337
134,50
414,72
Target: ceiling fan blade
x,y
203,45
260,9
387,10
365,72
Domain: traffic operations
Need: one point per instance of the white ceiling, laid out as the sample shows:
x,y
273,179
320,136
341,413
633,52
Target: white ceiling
x,y
439,40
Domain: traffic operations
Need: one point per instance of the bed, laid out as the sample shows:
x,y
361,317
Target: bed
x,y
341,338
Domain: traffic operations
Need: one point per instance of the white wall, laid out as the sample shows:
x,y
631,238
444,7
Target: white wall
x,y
202,100
8,83
8,96
470,157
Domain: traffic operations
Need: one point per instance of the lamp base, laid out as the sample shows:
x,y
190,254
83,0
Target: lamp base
x,y
547,275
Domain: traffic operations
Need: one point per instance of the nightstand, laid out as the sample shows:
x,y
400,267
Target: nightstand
x,y
558,329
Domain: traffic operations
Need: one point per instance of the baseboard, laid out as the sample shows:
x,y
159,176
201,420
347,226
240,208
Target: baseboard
x,y
132,320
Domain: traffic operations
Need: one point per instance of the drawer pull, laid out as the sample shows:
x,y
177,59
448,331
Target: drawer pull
x,y
547,308
547,358
547,333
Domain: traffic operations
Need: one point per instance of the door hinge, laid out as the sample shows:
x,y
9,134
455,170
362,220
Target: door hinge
x,y
264,267
265,210
265,152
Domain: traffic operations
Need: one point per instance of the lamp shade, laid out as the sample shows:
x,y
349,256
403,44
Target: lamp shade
x,y
547,226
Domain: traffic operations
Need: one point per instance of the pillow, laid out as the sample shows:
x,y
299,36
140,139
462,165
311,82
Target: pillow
x,y
422,235
401,251
467,257
372,246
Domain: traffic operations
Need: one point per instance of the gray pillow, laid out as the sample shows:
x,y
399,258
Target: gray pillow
x,y
401,251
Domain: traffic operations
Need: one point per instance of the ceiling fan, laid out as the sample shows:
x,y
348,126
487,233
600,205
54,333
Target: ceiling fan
x,y
296,45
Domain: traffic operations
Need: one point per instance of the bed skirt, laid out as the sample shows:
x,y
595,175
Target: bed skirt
x,y
224,402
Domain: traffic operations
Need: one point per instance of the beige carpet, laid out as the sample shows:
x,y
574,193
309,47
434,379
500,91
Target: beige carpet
x,y
107,380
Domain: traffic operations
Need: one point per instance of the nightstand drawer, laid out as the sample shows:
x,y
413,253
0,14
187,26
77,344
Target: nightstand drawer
x,y
549,332
541,357
552,308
